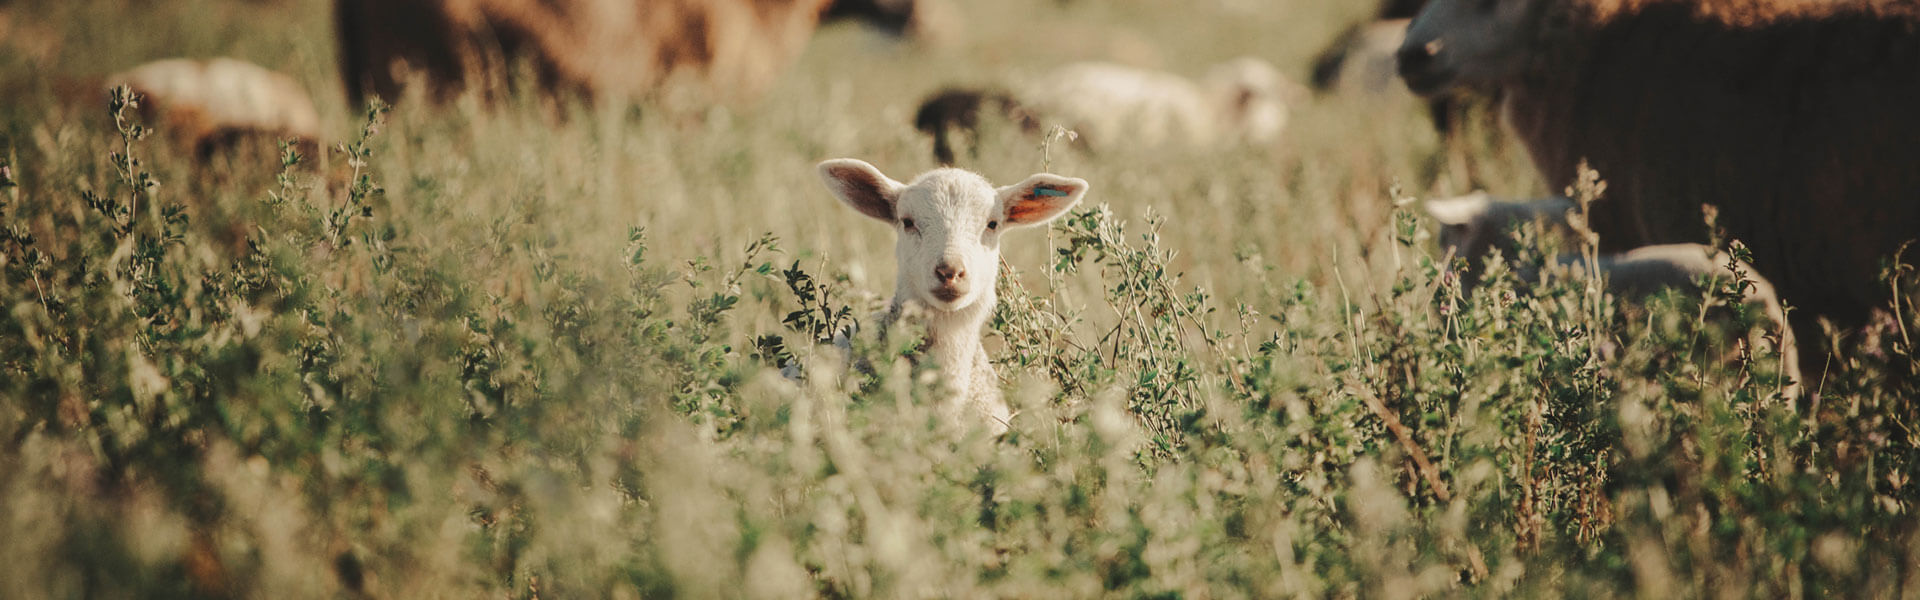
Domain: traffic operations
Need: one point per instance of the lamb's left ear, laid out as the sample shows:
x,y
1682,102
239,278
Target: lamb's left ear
x,y
1460,210
1041,198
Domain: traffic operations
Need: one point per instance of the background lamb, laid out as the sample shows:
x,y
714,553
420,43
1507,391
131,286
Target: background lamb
x,y
212,104
949,224
1475,226
1243,100
1795,118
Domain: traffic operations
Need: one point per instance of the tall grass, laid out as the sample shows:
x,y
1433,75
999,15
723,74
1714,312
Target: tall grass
x,y
498,352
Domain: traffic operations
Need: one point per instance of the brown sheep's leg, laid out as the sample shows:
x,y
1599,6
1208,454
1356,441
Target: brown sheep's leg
x,y
1441,110
942,147
1330,62
354,68
944,111
377,36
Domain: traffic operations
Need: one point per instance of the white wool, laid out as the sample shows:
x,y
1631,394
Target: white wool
x,y
1242,100
1475,224
225,94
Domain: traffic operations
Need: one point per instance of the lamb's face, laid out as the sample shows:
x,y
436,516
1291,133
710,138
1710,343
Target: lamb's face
x,y
949,238
949,223
1455,43
1253,96
1475,225
1462,220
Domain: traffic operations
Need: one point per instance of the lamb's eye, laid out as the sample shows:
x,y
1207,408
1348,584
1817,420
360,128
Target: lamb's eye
x,y
908,225
993,225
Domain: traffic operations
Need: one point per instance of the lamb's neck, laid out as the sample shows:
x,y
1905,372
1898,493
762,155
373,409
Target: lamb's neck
x,y
953,336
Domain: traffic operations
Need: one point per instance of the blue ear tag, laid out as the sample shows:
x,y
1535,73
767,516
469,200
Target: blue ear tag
x,y
1046,191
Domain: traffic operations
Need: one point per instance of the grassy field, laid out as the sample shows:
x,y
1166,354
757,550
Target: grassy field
x,y
521,352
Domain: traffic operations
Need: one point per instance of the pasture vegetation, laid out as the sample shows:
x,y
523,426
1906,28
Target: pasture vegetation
x,y
473,352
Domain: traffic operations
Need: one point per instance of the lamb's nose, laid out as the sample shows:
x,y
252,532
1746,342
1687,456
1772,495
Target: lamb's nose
x,y
1416,57
948,273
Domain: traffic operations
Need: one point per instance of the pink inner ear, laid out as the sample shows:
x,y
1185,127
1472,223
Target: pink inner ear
x,y
857,180
1024,211
864,188
1036,203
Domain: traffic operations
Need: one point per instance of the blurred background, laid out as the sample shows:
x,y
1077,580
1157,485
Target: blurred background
x,y
1316,191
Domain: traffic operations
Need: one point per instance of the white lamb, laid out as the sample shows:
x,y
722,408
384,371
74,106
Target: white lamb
x,y
1241,99
1112,106
949,223
211,104
1475,225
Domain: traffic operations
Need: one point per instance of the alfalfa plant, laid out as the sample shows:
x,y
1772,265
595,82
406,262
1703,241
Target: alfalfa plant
x,y
821,318
1160,339
709,372
361,188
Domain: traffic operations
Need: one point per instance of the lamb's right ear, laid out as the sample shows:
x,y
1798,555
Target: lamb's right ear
x,y
861,186
1460,210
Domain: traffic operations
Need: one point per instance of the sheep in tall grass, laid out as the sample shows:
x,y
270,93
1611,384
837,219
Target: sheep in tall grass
x,y
1797,118
929,22
611,49
212,104
1476,225
1240,101
949,223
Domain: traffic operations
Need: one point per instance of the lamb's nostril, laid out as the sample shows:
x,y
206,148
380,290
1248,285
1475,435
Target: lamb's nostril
x,y
948,273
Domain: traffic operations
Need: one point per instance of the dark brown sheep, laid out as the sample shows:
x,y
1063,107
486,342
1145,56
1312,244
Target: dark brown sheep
x,y
601,49
1797,118
1400,9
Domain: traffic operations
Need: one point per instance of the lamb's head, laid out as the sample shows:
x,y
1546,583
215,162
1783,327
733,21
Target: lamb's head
x,y
1475,225
1252,97
949,223
1455,43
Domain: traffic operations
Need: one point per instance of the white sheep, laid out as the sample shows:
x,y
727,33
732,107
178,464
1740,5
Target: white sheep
x,y
210,104
1240,101
949,223
1474,225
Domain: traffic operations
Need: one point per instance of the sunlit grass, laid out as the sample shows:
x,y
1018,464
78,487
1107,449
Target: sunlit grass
x,y
536,351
